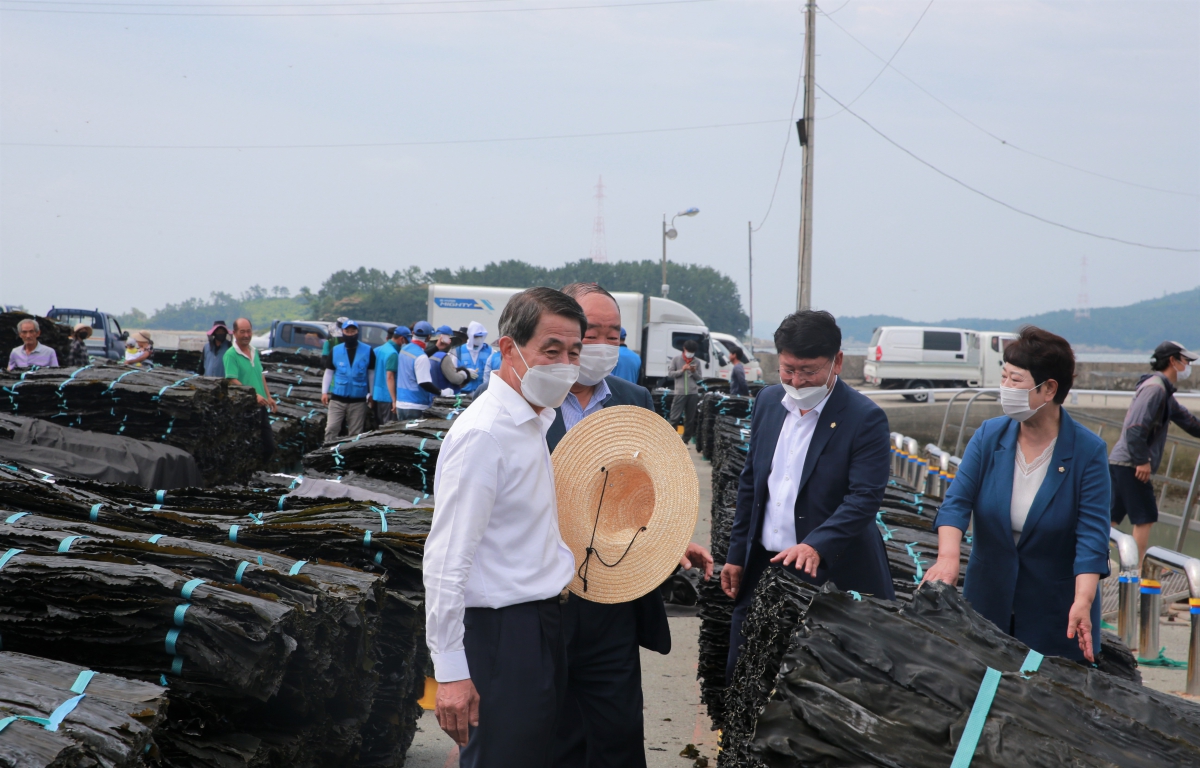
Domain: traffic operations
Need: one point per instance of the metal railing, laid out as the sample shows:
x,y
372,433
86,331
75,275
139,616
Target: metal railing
x,y
1127,587
1157,559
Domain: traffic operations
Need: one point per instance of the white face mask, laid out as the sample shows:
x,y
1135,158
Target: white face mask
x,y
809,397
597,361
546,386
477,342
1186,373
1015,403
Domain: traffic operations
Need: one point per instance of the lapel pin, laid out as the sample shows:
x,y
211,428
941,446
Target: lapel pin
x,y
832,424
1062,469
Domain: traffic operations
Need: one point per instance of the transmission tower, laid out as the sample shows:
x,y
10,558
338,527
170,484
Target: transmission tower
x,y
1083,308
599,246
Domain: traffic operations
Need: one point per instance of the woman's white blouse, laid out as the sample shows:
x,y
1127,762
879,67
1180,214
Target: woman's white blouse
x,y
1027,479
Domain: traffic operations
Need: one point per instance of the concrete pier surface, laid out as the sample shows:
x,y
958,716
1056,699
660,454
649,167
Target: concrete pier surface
x,y
675,717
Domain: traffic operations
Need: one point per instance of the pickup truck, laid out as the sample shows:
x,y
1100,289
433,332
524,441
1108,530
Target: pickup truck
x,y
107,339
312,334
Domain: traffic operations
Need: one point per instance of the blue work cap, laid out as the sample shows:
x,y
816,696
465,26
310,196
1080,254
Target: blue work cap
x,y
444,330
350,324
402,331
622,334
423,330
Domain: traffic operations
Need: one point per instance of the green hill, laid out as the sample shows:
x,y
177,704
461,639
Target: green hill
x,y
1134,328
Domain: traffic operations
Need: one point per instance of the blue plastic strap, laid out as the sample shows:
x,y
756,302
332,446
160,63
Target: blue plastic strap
x,y
281,500
366,538
180,610
1033,660
190,587
7,722
979,713
233,529
237,576
260,562
378,557
9,555
296,567
172,636
64,709
382,518
14,518
857,597
94,515
81,682
177,665
65,545
256,518
154,539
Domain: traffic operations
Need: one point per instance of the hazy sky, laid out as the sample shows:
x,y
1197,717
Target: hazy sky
x,y
1110,87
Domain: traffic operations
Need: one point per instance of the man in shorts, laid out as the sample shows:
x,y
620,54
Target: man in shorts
x,y
1139,450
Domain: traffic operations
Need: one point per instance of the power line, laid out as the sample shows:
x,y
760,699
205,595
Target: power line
x,y
1005,142
888,63
983,194
639,3
390,143
251,5
787,140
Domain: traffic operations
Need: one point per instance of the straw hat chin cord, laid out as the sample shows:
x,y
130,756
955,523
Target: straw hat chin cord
x,y
591,549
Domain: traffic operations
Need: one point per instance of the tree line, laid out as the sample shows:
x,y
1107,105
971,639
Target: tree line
x,y
402,296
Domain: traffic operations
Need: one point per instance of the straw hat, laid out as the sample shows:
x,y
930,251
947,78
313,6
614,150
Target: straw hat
x,y
628,465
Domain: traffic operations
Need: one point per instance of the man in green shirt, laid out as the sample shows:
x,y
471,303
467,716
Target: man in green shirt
x,y
244,367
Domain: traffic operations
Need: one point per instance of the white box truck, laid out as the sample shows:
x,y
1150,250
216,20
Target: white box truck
x,y
915,357
655,328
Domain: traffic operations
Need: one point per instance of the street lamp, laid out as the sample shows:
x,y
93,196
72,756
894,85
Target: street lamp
x,y
671,234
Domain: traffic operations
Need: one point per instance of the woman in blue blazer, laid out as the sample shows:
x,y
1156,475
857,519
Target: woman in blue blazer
x,y
1038,485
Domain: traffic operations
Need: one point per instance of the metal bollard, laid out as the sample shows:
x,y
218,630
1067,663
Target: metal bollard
x,y
913,452
1149,609
897,454
1156,559
1127,587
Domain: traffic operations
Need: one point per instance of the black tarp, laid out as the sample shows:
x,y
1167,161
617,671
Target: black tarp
x,y
61,450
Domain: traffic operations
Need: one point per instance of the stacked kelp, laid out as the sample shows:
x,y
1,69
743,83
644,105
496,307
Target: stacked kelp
x,y
67,716
726,429
290,637
869,682
302,358
215,422
400,452
57,336
190,360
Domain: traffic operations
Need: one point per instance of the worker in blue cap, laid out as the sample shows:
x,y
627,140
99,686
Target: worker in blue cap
x,y
347,384
448,375
629,363
387,356
414,384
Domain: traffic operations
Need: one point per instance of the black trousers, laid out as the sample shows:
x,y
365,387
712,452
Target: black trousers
x,y
601,724
518,662
683,411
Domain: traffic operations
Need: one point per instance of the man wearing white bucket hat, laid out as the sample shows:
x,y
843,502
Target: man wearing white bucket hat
x,y
602,722
495,564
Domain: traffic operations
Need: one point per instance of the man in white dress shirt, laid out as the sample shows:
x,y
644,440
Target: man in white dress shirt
x,y
495,566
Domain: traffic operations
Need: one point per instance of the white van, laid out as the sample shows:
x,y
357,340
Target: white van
x,y
655,328
731,344
915,357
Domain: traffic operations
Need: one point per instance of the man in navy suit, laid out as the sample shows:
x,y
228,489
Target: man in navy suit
x,y
601,723
815,473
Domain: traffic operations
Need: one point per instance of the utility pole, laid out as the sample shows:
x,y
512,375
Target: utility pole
x,y
805,130
750,252
665,288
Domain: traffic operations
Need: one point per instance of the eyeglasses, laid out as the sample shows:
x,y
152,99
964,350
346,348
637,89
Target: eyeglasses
x,y
807,372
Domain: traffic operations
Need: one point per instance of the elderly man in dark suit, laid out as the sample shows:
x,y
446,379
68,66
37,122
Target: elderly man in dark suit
x,y
601,724
815,473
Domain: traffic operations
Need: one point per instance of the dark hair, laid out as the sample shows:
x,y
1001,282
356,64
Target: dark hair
x,y
690,345
808,334
520,318
1045,356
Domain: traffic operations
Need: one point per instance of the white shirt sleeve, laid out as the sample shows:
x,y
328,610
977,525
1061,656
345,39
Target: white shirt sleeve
x,y
468,471
421,368
326,381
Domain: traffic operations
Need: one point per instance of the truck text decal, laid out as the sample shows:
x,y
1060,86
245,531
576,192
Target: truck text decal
x,y
465,304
